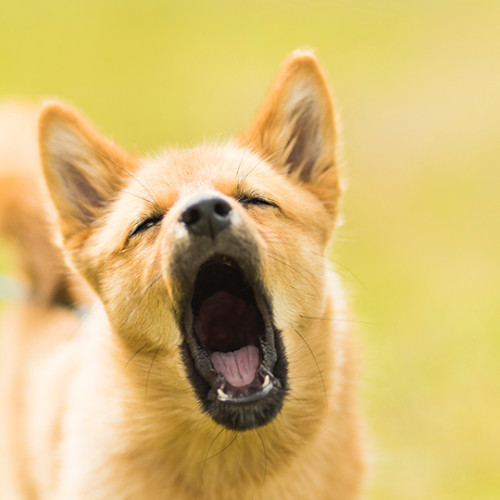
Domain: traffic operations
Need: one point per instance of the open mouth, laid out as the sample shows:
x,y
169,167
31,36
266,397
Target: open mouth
x,y
233,352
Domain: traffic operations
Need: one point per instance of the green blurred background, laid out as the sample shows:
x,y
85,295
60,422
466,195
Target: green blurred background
x,y
418,86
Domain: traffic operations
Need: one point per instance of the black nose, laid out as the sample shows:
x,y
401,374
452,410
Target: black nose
x,y
206,215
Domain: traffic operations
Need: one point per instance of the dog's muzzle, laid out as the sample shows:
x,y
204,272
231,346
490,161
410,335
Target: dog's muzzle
x,y
233,352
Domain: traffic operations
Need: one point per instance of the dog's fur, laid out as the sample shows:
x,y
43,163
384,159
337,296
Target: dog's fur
x,y
117,405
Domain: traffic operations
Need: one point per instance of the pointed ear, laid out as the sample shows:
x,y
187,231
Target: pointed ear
x,y
295,128
83,170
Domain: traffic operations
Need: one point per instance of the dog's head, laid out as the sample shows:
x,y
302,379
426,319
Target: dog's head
x,y
215,255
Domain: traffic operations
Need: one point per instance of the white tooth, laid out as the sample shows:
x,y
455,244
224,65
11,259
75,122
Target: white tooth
x,y
266,381
222,395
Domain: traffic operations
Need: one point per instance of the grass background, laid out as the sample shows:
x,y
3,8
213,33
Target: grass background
x,y
418,84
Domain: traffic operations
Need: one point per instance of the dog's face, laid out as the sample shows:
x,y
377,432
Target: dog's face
x,y
213,255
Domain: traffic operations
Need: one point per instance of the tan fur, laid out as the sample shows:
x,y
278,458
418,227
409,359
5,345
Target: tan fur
x,y
101,408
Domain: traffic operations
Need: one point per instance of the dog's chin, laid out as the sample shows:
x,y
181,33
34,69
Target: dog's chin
x,y
234,355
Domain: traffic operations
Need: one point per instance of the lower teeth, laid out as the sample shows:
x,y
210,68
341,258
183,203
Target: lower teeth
x,y
263,384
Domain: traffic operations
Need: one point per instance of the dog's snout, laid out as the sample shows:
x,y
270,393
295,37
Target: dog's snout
x,y
206,215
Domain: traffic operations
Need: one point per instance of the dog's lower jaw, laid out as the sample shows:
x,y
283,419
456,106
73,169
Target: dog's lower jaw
x,y
241,413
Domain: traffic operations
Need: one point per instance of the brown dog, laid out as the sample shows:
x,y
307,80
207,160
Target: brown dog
x,y
213,364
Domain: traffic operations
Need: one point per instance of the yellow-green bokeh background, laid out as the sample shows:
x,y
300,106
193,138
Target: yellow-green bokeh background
x,y
418,84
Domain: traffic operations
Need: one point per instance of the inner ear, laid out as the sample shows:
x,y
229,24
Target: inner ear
x,y
84,171
303,149
87,200
295,128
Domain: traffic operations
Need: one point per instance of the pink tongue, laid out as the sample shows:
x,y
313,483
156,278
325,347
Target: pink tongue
x,y
239,367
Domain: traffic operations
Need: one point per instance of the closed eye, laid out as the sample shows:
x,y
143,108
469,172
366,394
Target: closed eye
x,y
146,224
251,199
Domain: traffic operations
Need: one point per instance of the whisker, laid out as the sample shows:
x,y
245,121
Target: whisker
x,y
123,169
293,268
148,201
291,395
135,354
262,159
208,452
340,320
222,450
337,263
265,455
283,240
141,298
149,372
315,362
